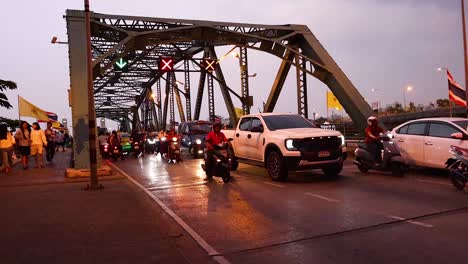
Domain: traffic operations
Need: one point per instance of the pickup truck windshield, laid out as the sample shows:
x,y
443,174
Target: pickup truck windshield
x,y
275,122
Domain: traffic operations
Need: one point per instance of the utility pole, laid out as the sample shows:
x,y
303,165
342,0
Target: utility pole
x,y
464,52
94,185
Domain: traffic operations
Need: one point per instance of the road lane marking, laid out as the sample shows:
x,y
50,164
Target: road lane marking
x,y
410,221
435,182
209,249
273,184
176,186
323,197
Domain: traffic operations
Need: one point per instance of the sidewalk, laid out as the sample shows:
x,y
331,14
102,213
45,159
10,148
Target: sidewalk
x,y
47,218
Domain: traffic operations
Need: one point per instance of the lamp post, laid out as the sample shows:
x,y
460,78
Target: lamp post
x,y
450,102
94,185
407,89
379,103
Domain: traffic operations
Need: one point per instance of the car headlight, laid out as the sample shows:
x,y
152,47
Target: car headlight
x,y
289,143
343,143
198,141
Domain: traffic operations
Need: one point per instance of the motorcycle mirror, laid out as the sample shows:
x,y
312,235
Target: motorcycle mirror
x,y
230,139
457,135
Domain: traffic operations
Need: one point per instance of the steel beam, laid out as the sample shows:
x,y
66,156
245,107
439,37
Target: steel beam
x,y
171,101
224,89
244,73
279,82
180,108
166,100
301,78
158,103
188,103
211,105
201,89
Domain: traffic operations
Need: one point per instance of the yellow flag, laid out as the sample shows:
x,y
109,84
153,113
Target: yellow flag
x,y
332,102
239,112
28,109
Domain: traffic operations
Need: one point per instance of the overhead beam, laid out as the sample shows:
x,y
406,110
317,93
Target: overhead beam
x,y
279,82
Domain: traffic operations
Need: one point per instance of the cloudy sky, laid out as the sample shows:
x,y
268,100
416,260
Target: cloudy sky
x,y
380,44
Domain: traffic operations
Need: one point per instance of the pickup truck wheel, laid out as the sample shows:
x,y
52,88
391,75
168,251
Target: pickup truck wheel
x,y
276,166
333,170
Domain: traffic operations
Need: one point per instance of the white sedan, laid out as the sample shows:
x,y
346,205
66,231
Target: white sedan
x,y
426,142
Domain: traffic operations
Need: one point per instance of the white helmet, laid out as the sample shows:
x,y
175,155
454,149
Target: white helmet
x,y
371,119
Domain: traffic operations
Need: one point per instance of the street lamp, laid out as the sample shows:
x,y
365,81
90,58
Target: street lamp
x,y
379,104
407,89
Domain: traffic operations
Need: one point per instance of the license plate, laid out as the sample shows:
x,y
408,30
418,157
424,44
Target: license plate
x,y
116,151
136,147
323,154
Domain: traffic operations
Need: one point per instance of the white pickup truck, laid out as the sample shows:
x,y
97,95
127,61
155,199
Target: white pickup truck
x,y
282,142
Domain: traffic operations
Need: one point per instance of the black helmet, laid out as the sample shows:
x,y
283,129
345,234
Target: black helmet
x,y
217,124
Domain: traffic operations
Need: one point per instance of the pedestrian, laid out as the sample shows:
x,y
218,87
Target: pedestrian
x,y
6,147
67,138
50,137
59,141
38,141
23,140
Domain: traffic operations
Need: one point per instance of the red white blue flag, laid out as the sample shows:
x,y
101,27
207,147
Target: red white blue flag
x,y
456,93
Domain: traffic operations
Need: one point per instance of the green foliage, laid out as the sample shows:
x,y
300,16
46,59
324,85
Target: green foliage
x,y
11,123
6,85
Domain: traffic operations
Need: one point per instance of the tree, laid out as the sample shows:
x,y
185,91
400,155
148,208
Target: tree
x,y
441,103
6,85
11,123
411,107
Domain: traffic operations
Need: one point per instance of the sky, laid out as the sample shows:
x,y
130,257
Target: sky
x,y
379,44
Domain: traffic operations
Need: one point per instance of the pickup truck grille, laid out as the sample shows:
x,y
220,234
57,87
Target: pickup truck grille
x,y
310,148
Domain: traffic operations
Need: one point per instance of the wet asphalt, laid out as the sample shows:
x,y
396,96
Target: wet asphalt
x,y
311,218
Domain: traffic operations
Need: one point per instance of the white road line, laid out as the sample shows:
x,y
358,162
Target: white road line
x,y
273,184
410,221
323,197
209,249
176,186
435,182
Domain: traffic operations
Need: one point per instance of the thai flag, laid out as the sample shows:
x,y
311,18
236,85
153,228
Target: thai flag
x,y
456,93
52,117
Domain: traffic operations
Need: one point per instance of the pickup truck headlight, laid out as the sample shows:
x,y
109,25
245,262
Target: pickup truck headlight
x,y
289,143
343,143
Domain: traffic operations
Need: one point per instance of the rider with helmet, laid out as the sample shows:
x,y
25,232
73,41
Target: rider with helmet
x,y
373,131
214,137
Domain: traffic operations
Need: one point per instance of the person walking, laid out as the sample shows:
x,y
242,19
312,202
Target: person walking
x,y
66,136
38,141
6,147
23,139
50,137
59,141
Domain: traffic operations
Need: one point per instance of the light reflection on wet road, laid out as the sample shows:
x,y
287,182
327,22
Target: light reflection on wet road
x,y
252,213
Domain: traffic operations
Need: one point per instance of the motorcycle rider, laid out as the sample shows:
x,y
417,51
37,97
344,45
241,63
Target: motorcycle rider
x,y
102,139
214,137
114,141
373,132
171,134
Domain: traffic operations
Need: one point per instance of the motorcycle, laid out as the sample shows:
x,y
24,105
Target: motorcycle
x,y
136,149
197,148
105,150
458,167
391,157
151,145
174,150
222,163
115,153
163,146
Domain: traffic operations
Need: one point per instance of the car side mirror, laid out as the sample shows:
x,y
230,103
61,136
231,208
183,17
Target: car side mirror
x,y
257,129
457,135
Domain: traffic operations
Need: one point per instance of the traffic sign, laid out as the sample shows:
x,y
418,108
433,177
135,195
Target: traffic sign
x,y
209,64
121,65
166,64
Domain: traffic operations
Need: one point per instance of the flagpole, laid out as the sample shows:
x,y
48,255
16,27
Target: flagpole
x,y
326,98
464,52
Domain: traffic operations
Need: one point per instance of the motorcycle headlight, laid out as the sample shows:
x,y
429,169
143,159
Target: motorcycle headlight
x,y
198,141
390,135
163,139
289,143
343,143
174,139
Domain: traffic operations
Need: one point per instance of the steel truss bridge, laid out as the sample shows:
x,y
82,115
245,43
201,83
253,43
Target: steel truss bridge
x,y
136,95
